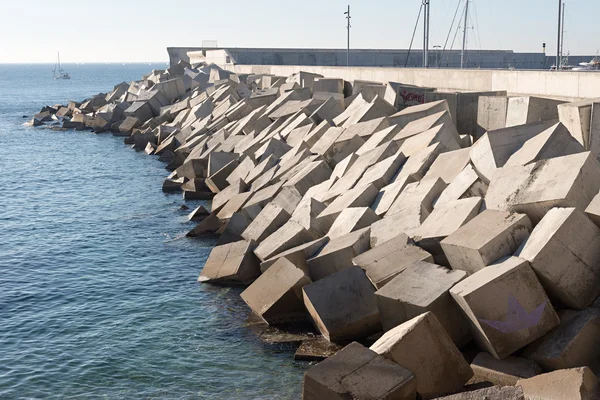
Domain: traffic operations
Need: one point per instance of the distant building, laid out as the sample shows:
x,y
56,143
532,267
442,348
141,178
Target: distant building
x,y
484,59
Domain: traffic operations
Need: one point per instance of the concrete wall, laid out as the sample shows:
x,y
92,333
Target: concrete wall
x,y
377,57
564,85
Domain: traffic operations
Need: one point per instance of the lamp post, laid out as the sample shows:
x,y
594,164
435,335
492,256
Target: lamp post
x,y
559,30
437,50
347,13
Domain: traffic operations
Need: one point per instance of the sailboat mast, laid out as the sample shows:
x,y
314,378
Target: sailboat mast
x,y
464,44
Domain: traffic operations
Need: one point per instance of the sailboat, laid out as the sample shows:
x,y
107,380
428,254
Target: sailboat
x,y
58,71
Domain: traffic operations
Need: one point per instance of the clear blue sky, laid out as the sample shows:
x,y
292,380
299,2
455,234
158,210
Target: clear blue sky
x,y
129,31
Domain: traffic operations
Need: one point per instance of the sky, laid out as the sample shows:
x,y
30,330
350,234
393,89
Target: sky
x,y
32,31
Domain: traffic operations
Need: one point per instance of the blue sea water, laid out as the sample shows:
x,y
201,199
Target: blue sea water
x,y
98,292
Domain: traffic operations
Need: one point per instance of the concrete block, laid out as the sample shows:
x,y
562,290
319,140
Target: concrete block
x,y
424,124
466,185
571,384
386,261
378,138
569,181
337,255
382,173
231,231
443,221
419,195
575,343
199,214
343,306
208,226
242,170
288,199
218,181
507,307
409,114
232,263
490,393
194,168
485,239
327,111
352,219
288,236
420,288
265,165
298,255
402,95
524,110
504,372
356,372
361,196
388,195
235,204
491,114
494,148
221,198
306,215
577,117
593,210
555,141
564,251
276,296
449,165
418,164
374,109
422,346
269,220
314,173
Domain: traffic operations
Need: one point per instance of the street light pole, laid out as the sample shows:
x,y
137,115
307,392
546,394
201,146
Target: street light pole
x,y
347,13
559,30
426,34
437,53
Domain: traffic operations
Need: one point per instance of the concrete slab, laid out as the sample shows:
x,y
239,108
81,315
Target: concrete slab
x,y
422,346
386,261
338,253
343,305
507,307
276,296
564,251
420,288
358,373
485,239
232,263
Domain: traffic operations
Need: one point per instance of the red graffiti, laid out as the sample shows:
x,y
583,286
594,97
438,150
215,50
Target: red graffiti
x,y
410,97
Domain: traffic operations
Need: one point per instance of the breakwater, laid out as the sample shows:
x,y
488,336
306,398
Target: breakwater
x,y
416,234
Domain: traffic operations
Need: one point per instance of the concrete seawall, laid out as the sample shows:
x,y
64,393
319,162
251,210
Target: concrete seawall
x,y
566,85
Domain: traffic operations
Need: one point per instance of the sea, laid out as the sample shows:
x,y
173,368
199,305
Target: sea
x,y
98,290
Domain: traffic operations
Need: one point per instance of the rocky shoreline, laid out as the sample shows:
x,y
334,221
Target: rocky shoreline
x,y
437,243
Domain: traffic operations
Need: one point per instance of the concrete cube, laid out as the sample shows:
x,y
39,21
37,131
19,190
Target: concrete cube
x,y
288,236
337,255
361,196
298,255
356,372
418,164
343,305
449,165
269,220
575,343
422,346
352,219
490,393
386,261
485,239
388,195
443,221
276,296
506,305
564,251
504,372
567,384
233,263
423,287
466,185
524,110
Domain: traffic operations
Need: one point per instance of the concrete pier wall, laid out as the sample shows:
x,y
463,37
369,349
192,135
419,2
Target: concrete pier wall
x,y
566,85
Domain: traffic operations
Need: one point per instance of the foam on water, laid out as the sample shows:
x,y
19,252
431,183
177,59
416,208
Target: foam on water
x,y
98,292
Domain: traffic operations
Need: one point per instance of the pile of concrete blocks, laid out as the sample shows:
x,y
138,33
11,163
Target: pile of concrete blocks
x,y
446,243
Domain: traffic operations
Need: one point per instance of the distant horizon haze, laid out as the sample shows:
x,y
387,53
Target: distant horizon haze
x,y
127,31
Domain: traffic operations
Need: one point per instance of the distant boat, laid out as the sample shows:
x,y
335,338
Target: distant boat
x,y
58,71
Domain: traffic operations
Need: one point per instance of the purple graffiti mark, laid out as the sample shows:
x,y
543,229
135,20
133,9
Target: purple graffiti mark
x,y
410,97
518,318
